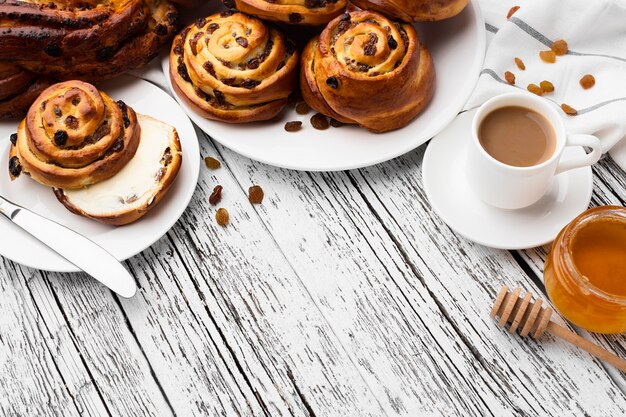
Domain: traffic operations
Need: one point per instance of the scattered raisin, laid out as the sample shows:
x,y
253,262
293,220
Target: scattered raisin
x,y
302,107
509,77
336,123
587,81
332,82
222,216
255,194
535,89
13,138
546,86
243,42
319,121
520,64
57,111
512,11
216,195
293,126
568,109
60,137
559,47
75,100
15,168
212,163
548,56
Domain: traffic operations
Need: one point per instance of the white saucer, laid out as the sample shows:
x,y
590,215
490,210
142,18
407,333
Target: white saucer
x,y
443,174
122,242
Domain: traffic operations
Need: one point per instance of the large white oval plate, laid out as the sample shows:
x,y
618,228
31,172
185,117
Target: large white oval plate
x,y
458,49
122,242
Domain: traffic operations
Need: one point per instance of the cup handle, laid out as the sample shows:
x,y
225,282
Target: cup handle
x,y
581,161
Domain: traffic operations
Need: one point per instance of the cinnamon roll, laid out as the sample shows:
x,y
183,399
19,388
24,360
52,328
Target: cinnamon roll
x,y
301,12
415,10
366,69
233,68
74,136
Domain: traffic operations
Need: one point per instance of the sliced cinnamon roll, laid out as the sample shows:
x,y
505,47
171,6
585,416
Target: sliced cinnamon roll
x,y
233,68
74,136
366,69
300,12
415,10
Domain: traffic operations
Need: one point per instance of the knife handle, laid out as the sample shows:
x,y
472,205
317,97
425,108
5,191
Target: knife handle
x,y
8,209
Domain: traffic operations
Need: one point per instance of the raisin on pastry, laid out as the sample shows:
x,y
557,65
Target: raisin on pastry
x,y
74,136
233,68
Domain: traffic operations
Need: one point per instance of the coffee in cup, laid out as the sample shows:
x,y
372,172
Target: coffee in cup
x,y
516,147
517,136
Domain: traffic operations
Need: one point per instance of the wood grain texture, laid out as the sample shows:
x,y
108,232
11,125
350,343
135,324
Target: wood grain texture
x,y
100,365
228,324
342,294
384,261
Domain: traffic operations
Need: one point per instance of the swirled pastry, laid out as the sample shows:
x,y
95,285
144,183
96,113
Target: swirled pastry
x,y
415,10
233,68
74,136
366,69
301,12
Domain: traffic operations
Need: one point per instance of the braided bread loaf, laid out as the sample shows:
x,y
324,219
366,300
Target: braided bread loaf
x,y
234,68
18,89
74,136
366,69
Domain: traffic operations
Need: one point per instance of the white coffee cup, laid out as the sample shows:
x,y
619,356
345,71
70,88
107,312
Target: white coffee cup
x,y
510,187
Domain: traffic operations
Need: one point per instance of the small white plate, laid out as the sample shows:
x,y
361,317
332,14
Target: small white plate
x,y
458,49
443,174
122,242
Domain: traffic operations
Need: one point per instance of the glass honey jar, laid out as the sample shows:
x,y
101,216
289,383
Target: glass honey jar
x,y
585,273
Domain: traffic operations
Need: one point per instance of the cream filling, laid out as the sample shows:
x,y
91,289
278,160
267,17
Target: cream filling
x,y
135,184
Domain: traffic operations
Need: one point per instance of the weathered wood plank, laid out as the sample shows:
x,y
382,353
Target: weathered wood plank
x,y
32,381
408,298
210,294
100,365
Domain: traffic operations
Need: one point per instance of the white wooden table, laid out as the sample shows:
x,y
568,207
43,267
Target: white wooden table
x,y
341,295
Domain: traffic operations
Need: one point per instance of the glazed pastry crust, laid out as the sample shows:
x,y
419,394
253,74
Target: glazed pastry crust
x,y
365,69
242,78
74,136
414,10
301,12
91,43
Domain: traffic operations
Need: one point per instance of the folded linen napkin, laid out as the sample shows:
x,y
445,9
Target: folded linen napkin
x,y
595,32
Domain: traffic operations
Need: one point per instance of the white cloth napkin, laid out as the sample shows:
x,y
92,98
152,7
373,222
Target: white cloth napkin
x,y
596,34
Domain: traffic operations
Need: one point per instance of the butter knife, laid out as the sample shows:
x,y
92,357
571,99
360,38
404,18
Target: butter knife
x,y
74,247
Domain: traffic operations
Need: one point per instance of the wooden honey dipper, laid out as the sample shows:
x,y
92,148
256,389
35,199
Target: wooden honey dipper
x,y
532,318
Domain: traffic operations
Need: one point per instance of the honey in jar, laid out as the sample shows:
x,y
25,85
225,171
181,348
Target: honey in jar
x,y
585,273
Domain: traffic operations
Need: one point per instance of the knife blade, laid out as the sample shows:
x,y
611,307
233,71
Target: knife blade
x,y
76,248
